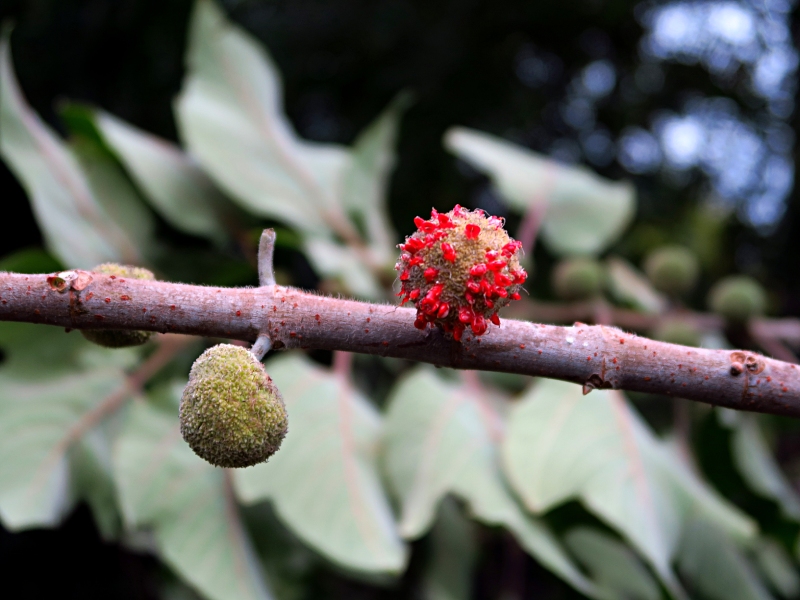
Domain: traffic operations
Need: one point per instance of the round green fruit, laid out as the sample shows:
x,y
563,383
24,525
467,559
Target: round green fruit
x,y
677,331
672,269
119,338
737,298
578,278
232,414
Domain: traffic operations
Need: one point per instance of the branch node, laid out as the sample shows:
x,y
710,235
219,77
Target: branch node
x,y
266,250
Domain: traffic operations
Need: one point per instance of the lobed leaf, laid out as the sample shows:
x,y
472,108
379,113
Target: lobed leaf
x,y
367,178
777,568
584,213
715,566
70,206
53,447
231,117
757,465
562,445
453,553
438,442
38,426
617,570
187,503
323,482
173,183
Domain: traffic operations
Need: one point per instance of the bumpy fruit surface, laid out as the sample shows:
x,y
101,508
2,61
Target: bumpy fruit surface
x,y
677,331
232,415
459,268
672,269
578,278
113,338
737,298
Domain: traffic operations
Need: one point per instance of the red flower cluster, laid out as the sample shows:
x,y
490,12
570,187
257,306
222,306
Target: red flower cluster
x,y
459,268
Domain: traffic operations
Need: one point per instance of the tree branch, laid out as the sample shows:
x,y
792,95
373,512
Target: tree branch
x,y
593,356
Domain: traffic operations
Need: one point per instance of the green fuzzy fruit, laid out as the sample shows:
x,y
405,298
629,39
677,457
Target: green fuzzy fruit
x,y
119,338
672,269
677,331
578,278
737,298
232,414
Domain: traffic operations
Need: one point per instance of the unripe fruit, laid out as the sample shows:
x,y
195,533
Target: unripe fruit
x,y
459,268
119,338
737,298
232,414
578,278
677,331
672,269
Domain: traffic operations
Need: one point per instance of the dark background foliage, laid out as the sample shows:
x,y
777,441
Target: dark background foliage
x,y
342,63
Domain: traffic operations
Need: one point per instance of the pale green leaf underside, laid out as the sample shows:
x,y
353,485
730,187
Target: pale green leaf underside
x,y
715,567
436,443
367,178
562,445
777,567
584,213
36,419
323,481
175,186
757,465
452,551
617,571
331,259
164,486
230,115
76,225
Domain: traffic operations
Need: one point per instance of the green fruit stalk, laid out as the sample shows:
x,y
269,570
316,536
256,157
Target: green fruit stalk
x,y
232,414
113,338
459,268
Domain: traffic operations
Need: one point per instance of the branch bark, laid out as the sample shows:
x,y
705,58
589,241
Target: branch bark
x,y
593,356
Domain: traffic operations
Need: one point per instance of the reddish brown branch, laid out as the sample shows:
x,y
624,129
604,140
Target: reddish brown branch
x,y
594,356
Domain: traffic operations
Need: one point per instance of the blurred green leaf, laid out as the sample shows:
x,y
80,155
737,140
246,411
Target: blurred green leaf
x,y
175,186
715,566
324,482
90,463
290,565
115,192
776,567
39,424
340,262
617,570
453,553
75,222
629,286
53,445
562,445
438,440
757,465
367,178
584,213
231,117
30,260
189,505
